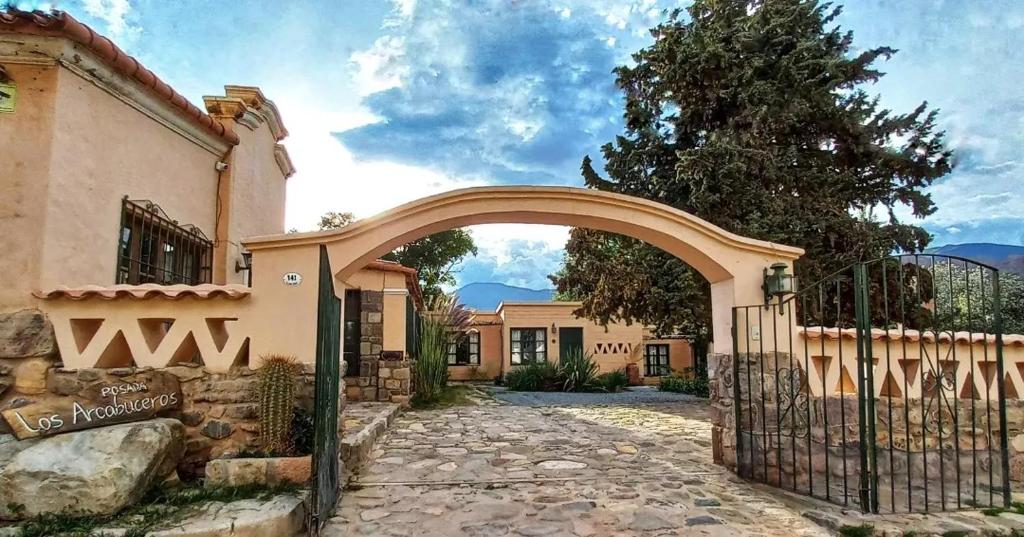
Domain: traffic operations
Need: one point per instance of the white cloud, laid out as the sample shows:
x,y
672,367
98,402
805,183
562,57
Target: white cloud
x,y
515,254
114,14
380,67
495,238
328,178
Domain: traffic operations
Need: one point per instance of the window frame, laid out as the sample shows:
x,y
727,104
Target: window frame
x,y
154,248
352,331
535,332
657,369
461,353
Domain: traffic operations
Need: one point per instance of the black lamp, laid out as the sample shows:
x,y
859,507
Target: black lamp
x,y
246,265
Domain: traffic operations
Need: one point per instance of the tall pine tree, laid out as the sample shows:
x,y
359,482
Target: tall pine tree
x,y
753,115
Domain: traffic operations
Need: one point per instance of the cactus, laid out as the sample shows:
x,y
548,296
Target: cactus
x,y
275,396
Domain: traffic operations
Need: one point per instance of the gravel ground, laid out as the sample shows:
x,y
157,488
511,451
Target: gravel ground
x,y
635,395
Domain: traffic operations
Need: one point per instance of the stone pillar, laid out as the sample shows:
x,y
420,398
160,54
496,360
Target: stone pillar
x,y
371,342
723,429
395,380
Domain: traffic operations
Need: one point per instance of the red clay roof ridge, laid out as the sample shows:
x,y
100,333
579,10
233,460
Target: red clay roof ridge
x,y
61,24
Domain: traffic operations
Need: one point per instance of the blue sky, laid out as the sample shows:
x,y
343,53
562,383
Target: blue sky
x,y
390,101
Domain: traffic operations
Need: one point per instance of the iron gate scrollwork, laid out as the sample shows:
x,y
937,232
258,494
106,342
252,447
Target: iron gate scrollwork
x,y
880,386
326,475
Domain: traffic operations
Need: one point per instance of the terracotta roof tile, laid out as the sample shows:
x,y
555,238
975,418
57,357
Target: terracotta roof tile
x,y
878,334
146,291
59,23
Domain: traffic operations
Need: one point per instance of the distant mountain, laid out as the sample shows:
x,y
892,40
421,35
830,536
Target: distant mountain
x,y
1004,257
487,295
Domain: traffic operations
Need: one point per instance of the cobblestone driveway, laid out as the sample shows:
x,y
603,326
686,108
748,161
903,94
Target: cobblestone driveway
x,y
615,470
585,471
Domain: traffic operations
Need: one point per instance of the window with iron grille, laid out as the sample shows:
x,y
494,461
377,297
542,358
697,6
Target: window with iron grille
x,y
529,345
466,351
153,248
656,360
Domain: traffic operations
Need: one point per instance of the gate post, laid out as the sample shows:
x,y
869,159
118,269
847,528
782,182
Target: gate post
x,y
865,391
736,401
325,478
1000,370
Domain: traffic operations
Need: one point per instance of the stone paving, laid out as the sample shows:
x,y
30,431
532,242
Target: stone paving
x,y
585,471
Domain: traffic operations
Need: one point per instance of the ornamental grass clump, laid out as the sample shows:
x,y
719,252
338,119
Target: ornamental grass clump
x,y
275,396
444,324
578,372
689,384
534,377
615,381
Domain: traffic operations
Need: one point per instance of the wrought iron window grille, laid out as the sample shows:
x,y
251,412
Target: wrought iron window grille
x,y
155,248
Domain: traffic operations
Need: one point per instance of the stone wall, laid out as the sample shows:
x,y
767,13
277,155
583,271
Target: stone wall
x,y
395,381
383,375
218,410
812,444
371,343
28,349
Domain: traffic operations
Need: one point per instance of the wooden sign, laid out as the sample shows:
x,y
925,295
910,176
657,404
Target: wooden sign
x,y
132,398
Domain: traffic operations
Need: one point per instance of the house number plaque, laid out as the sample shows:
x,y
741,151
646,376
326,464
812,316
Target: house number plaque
x,y
292,278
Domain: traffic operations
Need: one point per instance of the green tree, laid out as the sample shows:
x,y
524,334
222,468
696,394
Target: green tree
x,y
335,220
434,256
964,299
753,115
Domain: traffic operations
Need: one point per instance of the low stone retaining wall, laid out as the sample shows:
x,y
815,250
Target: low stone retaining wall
x,y
218,410
363,424
281,516
251,470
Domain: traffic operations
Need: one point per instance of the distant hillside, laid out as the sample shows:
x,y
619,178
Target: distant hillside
x,y
487,295
1002,256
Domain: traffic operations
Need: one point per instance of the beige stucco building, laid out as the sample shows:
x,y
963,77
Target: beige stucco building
x,y
109,176
518,333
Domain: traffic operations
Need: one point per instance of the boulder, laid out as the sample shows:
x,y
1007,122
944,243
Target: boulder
x,y
96,471
25,334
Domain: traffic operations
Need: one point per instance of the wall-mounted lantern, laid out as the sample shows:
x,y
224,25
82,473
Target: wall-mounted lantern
x,y
246,264
777,283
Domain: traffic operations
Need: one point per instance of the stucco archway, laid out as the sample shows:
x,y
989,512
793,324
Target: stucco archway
x,y
733,264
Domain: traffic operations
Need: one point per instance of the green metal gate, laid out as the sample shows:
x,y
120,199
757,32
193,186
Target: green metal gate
x,y
324,488
880,386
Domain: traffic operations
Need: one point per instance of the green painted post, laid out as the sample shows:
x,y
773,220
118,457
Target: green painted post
x,y
1003,439
865,391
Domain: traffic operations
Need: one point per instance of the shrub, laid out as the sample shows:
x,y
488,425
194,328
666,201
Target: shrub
x,y
302,432
616,381
578,372
444,324
275,397
697,386
535,377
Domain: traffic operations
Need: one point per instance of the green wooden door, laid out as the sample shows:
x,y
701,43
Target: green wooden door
x,y
570,339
